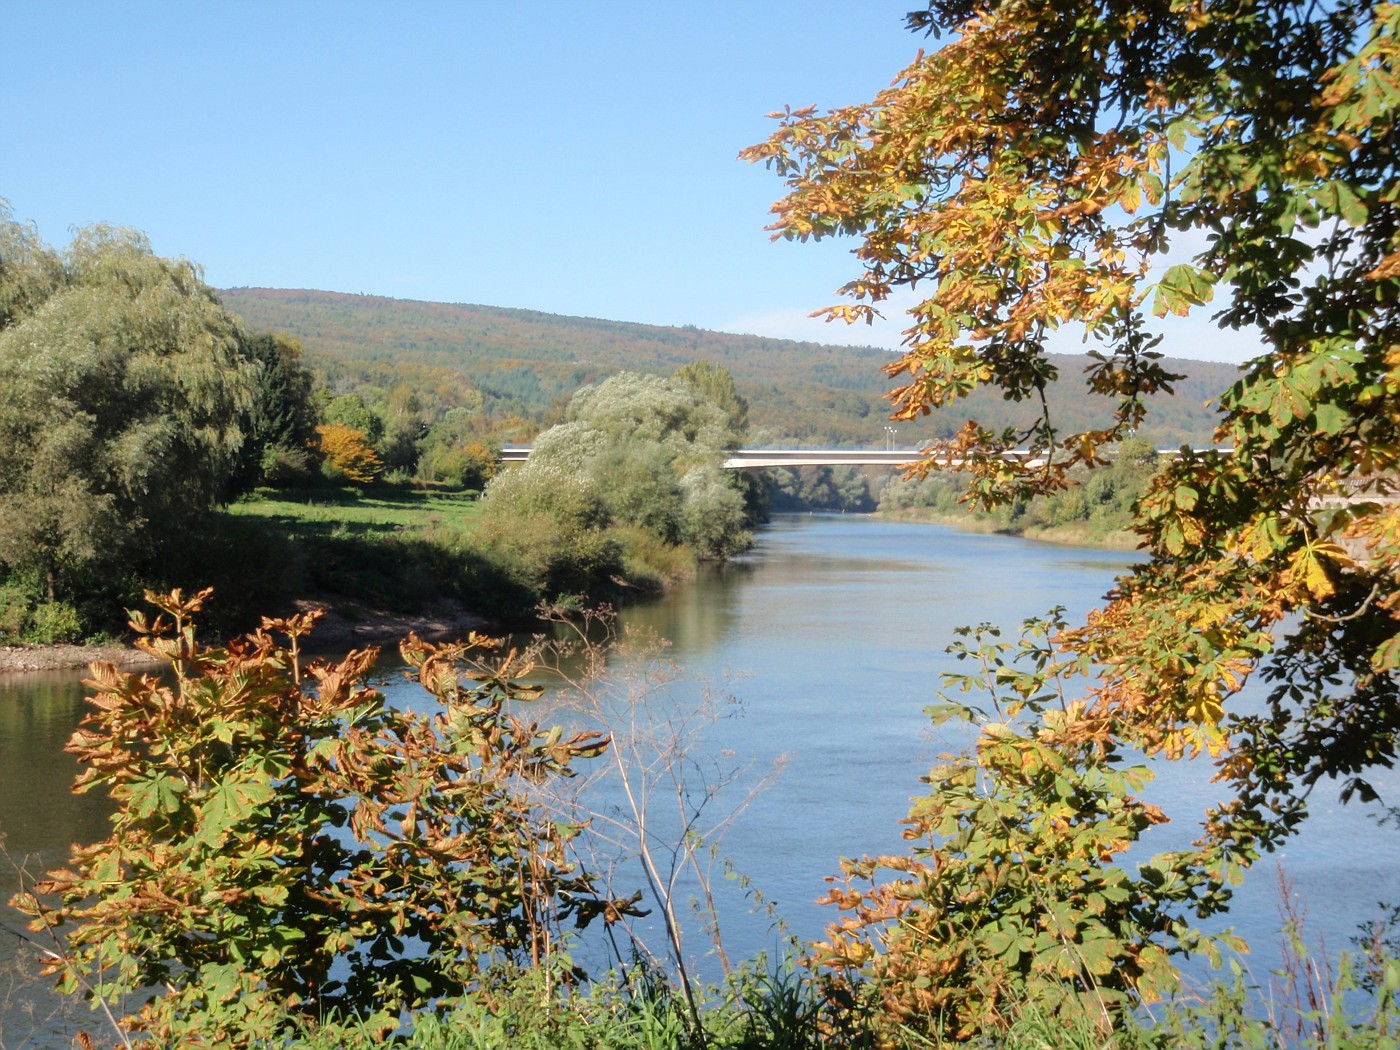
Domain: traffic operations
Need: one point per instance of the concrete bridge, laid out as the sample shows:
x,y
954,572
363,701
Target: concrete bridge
x,y
756,458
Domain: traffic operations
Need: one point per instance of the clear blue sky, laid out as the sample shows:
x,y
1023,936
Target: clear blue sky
x,y
576,158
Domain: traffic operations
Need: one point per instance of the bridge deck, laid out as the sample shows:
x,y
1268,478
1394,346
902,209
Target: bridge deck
x,y
754,458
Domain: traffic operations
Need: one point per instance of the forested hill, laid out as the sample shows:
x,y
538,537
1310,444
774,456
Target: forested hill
x,y
528,364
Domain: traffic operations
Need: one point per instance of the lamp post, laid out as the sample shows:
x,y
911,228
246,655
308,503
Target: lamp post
x,y
890,432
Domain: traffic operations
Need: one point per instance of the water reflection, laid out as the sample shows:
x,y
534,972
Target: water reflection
x,y
830,636
40,818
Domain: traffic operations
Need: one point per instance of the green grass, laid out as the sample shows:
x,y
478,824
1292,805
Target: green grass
x,y
320,513
386,547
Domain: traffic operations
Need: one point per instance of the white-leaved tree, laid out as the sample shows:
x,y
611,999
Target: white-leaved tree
x,y
654,446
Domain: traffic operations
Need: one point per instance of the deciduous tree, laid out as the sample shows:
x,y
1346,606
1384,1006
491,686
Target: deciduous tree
x,y
348,453
122,381
287,846
1088,163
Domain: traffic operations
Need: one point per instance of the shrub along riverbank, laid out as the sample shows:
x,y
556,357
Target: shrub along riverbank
x,y
391,551
398,556
1096,511
418,875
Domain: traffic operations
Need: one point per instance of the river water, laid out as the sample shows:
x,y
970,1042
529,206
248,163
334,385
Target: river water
x,y
819,651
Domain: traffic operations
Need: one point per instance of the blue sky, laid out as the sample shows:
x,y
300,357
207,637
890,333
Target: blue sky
x,y
576,158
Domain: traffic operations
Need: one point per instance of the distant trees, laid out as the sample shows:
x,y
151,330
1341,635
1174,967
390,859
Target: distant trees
x,y
351,410
124,388
453,452
820,488
281,423
515,362
132,403
1099,506
425,425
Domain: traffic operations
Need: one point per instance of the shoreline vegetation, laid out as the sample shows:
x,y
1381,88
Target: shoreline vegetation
x,y
348,623
382,559
1073,535
343,627
1095,509
155,444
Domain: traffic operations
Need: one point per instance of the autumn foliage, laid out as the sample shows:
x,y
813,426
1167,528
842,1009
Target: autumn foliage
x,y
1091,164
286,845
348,453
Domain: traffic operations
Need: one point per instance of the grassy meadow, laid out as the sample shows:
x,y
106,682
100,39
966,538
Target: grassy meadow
x,y
347,510
381,548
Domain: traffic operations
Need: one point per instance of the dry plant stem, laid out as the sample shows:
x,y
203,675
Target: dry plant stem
x,y
1306,983
662,889
57,954
702,877
652,754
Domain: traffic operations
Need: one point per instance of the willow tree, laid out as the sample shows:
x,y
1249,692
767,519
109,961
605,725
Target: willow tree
x,y
1088,163
122,383
655,447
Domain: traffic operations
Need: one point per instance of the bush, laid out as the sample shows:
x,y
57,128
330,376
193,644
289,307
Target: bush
x,y
27,619
1013,895
649,562
14,612
54,623
544,557
285,467
547,530
285,845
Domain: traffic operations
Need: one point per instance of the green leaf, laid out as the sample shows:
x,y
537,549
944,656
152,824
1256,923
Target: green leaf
x,y
1337,198
1332,419
1182,287
228,804
156,794
221,981
1387,655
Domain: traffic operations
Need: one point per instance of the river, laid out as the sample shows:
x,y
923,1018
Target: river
x,y
821,648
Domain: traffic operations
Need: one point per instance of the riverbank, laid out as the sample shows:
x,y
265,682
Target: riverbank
x,y
24,659
1077,534
350,625
343,627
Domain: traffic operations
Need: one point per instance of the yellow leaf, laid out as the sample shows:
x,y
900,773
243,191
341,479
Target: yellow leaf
x,y
1308,567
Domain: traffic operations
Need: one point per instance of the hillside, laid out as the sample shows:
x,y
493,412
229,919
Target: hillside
x,y
530,363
